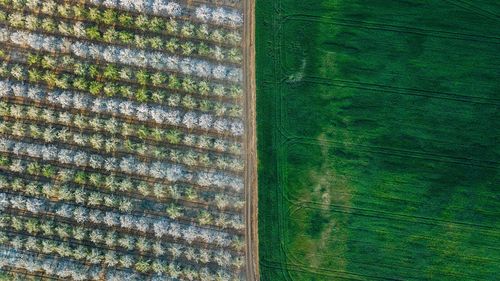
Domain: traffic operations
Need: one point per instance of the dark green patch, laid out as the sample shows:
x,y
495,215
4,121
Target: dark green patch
x,y
317,224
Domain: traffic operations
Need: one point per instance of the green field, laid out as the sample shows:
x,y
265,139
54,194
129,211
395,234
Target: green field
x,y
378,139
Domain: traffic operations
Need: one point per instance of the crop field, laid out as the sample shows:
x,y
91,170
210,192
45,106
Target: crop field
x,y
378,127
122,140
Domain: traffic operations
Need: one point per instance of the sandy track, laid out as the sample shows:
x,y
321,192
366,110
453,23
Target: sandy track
x,y
251,188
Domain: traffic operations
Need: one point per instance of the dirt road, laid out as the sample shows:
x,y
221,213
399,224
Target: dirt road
x,y
251,188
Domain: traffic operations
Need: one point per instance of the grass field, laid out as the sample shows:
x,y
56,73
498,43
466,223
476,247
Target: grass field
x,y
378,131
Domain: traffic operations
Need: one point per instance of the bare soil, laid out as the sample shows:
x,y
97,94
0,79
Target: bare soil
x,y
251,187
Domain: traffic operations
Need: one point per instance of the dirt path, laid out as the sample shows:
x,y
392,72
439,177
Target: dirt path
x,y
251,188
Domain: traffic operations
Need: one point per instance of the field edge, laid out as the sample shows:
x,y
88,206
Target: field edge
x,y
251,183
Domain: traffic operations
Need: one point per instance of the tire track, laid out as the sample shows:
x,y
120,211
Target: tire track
x,y
401,90
474,9
395,28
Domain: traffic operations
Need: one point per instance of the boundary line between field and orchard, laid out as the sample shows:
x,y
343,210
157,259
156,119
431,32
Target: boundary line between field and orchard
x,y
251,186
